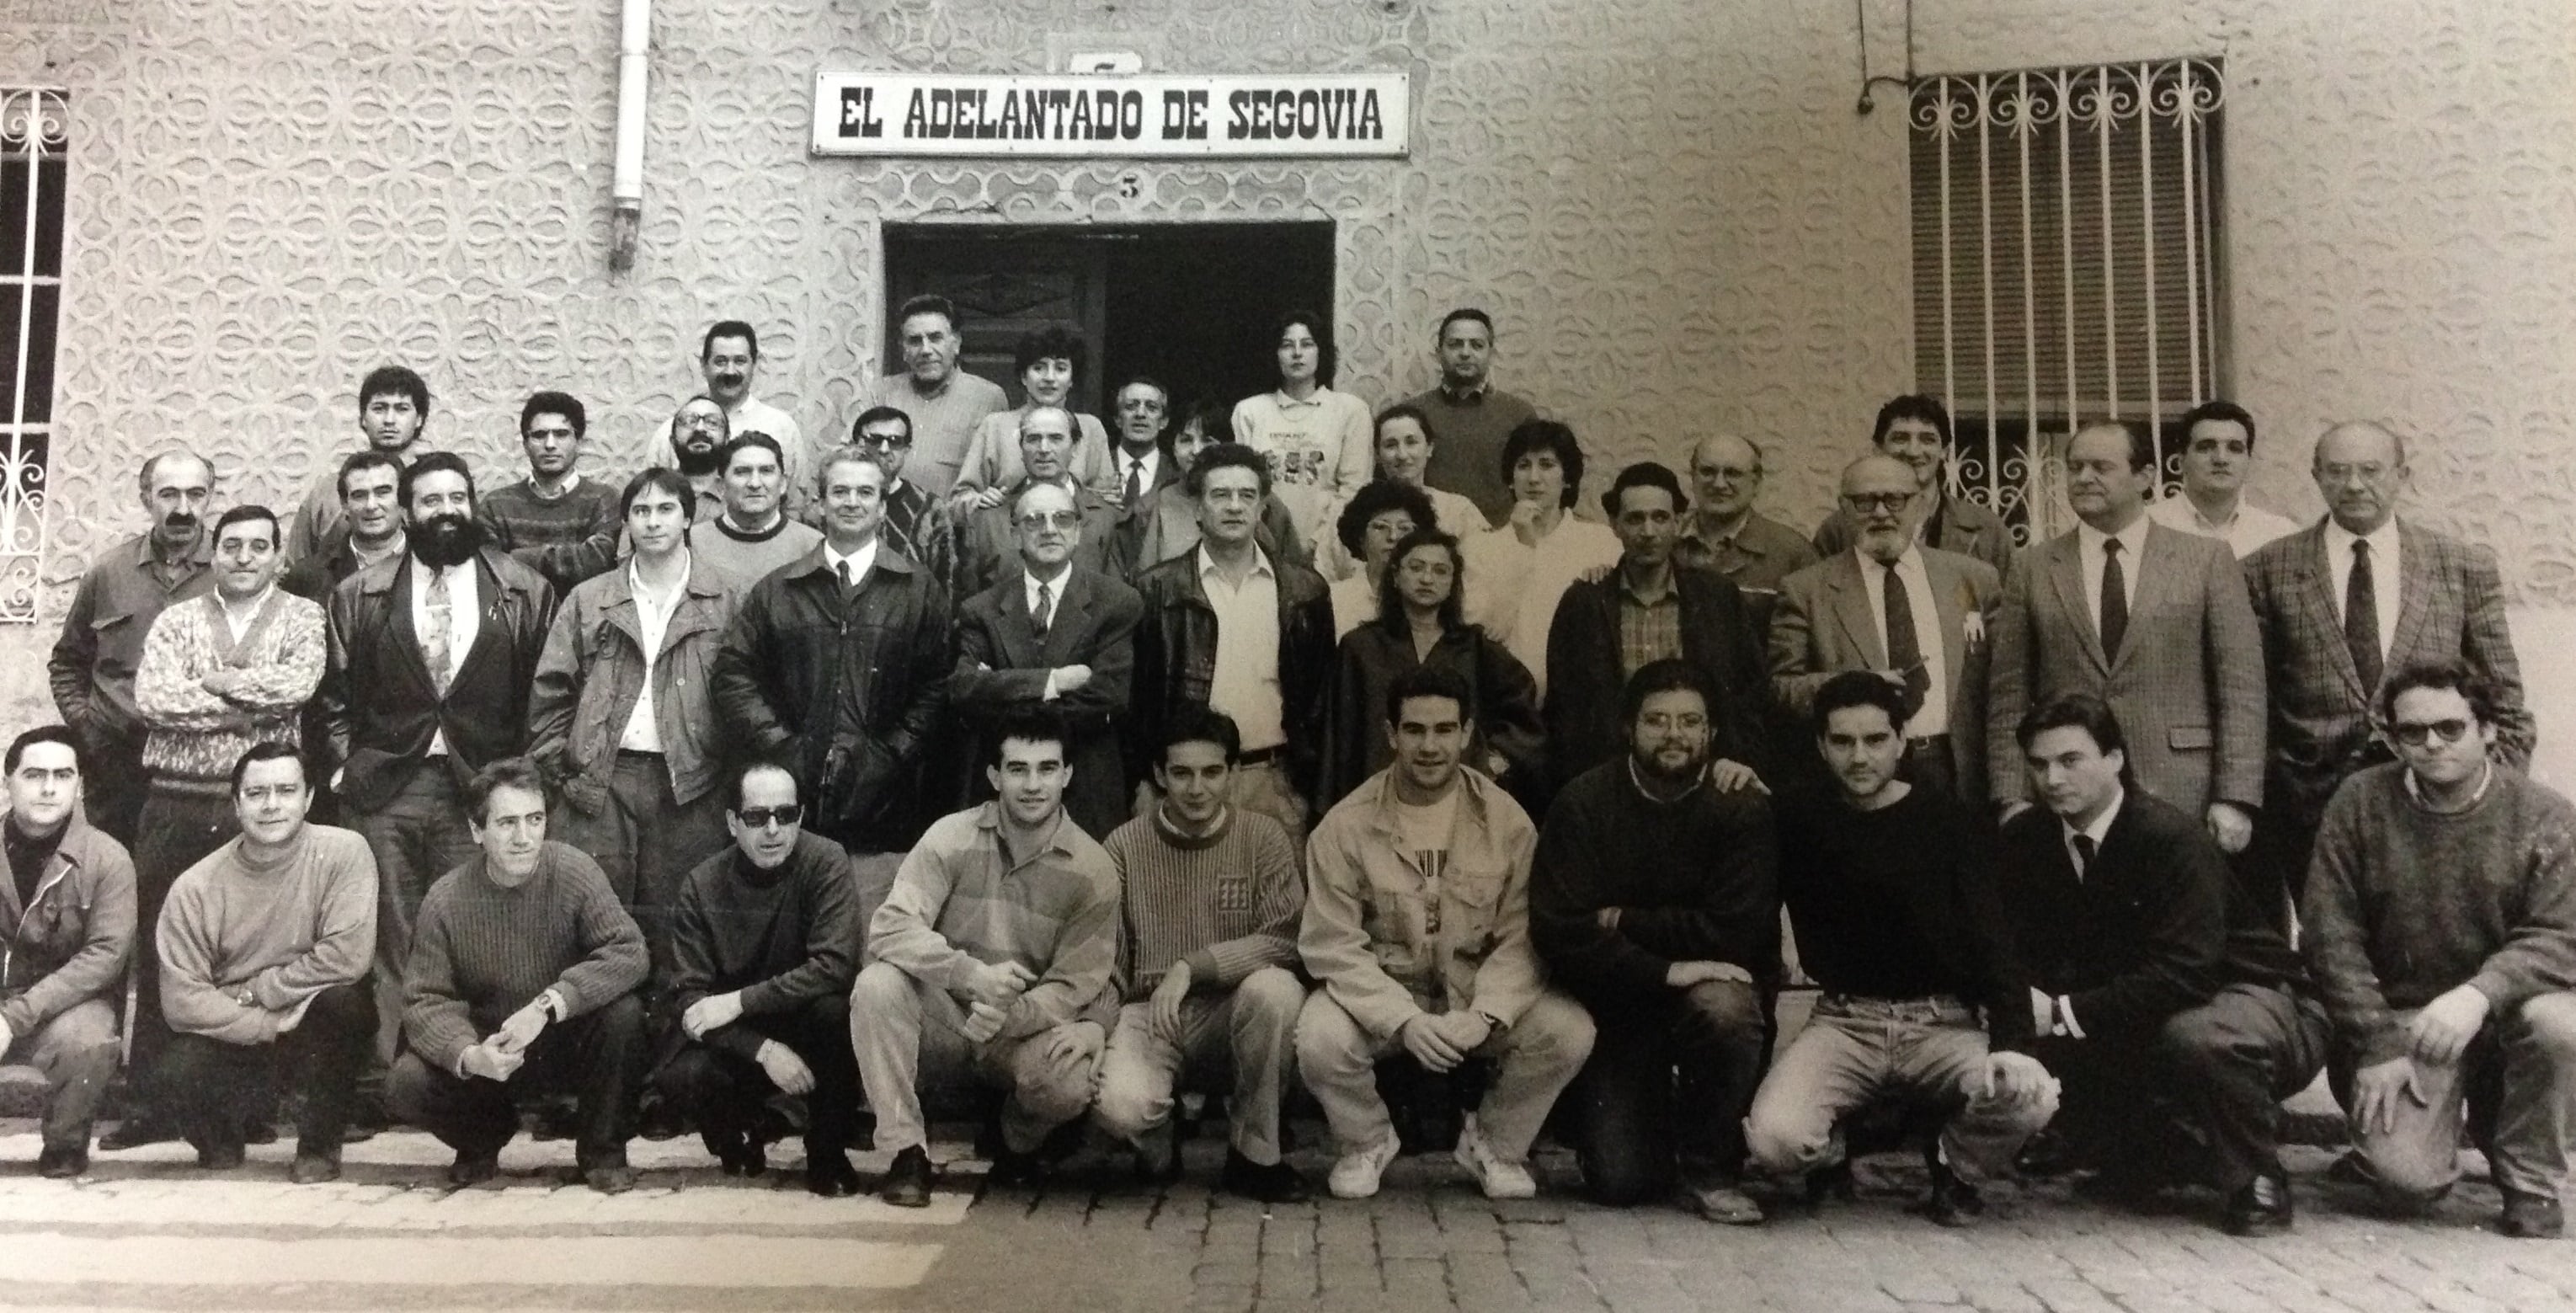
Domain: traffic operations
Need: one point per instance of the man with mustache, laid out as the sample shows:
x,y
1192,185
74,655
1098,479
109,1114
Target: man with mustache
x,y
431,658
946,404
729,358
1916,430
126,589
700,433
393,409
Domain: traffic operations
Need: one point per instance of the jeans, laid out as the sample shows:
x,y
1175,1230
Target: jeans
x,y
1245,1036
2514,1091
1539,1055
723,1091
207,1083
1857,1050
2206,1086
1665,1093
900,1026
598,1057
417,836
76,1049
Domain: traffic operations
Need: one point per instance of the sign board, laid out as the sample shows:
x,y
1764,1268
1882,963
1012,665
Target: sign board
x,y
1143,117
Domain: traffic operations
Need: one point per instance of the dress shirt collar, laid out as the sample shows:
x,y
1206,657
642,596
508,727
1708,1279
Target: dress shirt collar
x,y
861,561
2133,539
2097,831
1030,584
2382,540
1260,563
1466,396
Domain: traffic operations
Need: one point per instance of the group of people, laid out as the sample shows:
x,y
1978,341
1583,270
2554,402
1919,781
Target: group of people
x,y
1090,762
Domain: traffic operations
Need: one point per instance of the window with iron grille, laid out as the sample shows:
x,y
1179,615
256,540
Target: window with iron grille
x,y
34,129
2067,265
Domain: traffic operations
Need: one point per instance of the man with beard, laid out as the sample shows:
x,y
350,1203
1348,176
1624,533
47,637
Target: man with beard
x,y
946,404
432,655
837,666
755,534
916,521
393,408
1916,430
371,506
987,542
554,521
729,357
1654,899
1472,416
699,432
127,587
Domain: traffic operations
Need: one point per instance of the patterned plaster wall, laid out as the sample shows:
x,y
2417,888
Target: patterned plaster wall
x,y
1671,206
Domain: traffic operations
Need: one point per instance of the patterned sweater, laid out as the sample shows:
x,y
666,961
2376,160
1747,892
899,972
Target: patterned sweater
x,y
266,678
1227,904
959,903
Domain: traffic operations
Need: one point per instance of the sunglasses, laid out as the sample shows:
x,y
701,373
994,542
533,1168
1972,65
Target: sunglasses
x,y
2415,734
758,818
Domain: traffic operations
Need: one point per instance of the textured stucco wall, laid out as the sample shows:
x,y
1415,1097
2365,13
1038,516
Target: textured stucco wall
x,y
1670,204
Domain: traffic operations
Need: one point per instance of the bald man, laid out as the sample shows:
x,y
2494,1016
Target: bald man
x,y
1725,534
2343,604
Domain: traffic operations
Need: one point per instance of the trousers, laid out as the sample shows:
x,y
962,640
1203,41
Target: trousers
x,y
416,837
1858,1050
723,1090
1666,1090
2514,1092
646,842
1536,1059
901,1027
598,1057
207,1083
76,1049
178,829
1244,1037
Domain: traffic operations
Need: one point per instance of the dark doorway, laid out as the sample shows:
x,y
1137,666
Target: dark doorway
x,y
1190,304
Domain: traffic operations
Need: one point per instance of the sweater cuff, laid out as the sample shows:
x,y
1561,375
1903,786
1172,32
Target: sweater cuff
x,y
2502,991
1203,968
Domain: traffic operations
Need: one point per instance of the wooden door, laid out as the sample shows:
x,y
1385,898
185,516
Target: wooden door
x,y
1004,284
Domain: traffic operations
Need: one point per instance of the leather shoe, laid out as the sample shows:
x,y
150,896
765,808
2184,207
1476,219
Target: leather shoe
x,y
2531,1217
2262,1206
473,1169
62,1164
1833,1180
1953,1202
1013,1168
907,1181
828,1173
614,1178
134,1133
1271,1183
220,1157
314,1168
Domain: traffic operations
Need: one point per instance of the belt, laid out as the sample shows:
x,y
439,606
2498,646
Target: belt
x,y
638,753
1261,756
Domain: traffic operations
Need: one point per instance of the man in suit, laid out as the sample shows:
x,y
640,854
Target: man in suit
x,y
2151,621
2175,1019
988,539
1644,610
2341,604
1916,615
1916,430
1139,465
1058,635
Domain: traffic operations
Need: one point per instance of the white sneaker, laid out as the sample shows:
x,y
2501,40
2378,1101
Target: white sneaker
x,y
1355,1174
1498,1179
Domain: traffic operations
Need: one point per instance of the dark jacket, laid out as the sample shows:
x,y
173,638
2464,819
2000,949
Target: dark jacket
x,y
1585,677
988,553
101,646
592,672
73,941
785,942
1002,663
2148,931
844,692
1176,660
1503,703
377,697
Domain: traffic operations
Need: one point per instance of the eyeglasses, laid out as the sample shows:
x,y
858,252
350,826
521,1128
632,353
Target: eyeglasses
x,y
758,818
2415,734
881,440
1051,519
1863,503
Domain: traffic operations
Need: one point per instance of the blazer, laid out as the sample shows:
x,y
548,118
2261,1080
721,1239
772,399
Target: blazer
x,y
1821,626
379,702
2186,684
1963,526
1002,663
1585,677
987,553
2450,605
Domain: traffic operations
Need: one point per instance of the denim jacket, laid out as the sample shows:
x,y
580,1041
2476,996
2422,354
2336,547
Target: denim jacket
x,y
592,671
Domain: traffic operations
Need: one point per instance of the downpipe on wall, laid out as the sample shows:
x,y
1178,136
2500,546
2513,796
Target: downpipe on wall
x,y
626,189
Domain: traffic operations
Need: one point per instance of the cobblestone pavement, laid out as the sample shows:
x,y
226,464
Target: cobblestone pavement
x,y
146,1230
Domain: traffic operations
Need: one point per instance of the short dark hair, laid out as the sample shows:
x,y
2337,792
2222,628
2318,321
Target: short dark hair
x,y
1053,342
1375,498
1403,410
733,447
663,477
1668,675
928,303
244,514
2472,684
1210,414
61,734
1916,406
369,459
1226,455
269,751
1322,328
728,328
1463,312
438,462
1546,435
2074,711
1428,682
394,378
2227,412
507,773
1390,603
1201,725
1858,688
742,775
1645,474
555,403
1028,724
879,415
2142,443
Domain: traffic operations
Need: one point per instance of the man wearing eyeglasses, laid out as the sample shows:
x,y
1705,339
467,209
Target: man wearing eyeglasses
x,y
2440,917
1916,615
2344,601
764,947
915,519
1916,430
988,542
1059,635
1727,535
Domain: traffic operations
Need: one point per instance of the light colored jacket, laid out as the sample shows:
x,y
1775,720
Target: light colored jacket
x,y
592,671
1365,935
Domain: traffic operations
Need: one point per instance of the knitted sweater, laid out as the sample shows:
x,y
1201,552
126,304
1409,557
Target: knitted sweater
x,y
1227,903
285,925
748,558
783,937
480,952
567,540
197,735
2404,903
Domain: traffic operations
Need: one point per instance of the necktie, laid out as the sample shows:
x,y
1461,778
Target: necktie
x,y
1135,481
849,580
2115,599
2085,848
1904,654
1043,614
2361,616
435,646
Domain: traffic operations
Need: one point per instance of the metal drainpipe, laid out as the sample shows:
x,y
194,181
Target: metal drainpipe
x,y
627,189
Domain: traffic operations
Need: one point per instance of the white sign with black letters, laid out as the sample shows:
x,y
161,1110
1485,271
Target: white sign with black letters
x,y
1151,116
